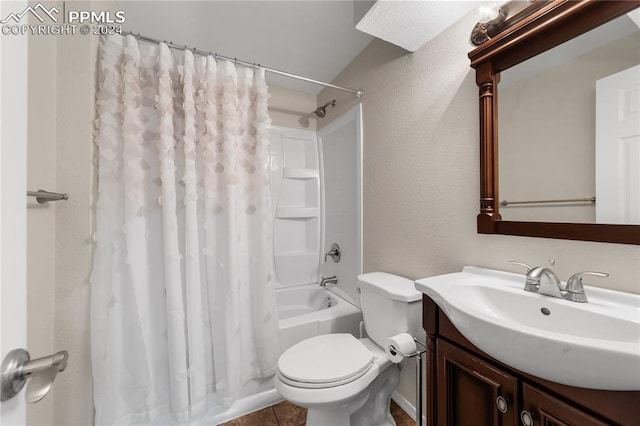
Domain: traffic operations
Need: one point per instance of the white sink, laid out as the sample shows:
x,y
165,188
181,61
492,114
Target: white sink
x,y
592,345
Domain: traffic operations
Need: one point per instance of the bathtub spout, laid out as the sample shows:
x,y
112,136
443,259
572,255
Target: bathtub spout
x,y
328,280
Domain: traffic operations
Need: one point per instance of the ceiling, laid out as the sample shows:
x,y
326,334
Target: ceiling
x,y
315,39
410,24
311,38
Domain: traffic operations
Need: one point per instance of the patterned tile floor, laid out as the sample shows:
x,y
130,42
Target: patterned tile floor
x,y
287,414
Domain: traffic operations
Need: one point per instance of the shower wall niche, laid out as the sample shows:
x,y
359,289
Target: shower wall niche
x,y
295,197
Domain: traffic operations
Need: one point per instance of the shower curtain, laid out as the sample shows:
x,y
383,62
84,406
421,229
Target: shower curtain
x,y
182,289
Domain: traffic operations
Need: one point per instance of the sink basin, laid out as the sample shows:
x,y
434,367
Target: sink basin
x,y
593,345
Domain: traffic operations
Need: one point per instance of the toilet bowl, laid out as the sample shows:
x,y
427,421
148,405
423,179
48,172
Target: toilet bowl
x,y
345,381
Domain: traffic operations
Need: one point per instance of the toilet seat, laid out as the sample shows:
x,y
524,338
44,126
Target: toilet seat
x,y
325,361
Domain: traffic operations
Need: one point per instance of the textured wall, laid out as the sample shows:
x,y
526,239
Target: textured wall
x,y
421,172
76,77
61,91
41,225
62,74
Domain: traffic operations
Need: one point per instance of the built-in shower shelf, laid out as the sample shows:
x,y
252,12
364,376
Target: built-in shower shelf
x,y
300,173
297,212
295,194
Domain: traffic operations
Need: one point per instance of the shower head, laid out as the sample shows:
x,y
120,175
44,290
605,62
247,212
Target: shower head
x,y
322,111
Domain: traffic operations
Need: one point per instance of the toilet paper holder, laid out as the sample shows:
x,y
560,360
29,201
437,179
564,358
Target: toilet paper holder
x,y
418,352
418,356
18,367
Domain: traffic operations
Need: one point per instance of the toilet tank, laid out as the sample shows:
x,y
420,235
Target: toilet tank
x,y
390,305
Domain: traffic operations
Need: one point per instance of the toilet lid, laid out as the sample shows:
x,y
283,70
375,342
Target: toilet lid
x,y
325,359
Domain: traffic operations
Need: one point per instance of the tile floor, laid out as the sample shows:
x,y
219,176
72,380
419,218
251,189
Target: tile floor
x,y
287,414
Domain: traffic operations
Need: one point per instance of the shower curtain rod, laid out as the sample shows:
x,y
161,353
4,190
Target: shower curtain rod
x,y
172,45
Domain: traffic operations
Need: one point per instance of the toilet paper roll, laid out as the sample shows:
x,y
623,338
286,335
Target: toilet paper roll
x,y
399,345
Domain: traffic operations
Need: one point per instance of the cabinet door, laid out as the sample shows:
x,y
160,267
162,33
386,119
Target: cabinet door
x,y
469,388
547,410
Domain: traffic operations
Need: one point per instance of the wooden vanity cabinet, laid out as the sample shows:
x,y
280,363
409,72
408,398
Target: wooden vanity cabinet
x,y
464,385
469,387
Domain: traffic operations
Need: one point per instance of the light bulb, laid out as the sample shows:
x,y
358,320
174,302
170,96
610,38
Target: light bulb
x,y
488,13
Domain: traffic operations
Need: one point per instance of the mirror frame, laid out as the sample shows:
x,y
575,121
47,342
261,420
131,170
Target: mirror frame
x,y
544,28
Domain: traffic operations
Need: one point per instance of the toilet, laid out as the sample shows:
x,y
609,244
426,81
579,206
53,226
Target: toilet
x,y
345,381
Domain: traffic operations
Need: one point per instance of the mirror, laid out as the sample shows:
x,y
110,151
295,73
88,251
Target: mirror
x,y
560,159
548,150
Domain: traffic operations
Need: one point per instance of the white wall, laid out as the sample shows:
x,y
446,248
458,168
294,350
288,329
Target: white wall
x,y
421,172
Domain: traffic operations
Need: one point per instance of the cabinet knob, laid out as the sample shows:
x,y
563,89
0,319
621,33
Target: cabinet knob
x,y
526,418
503,404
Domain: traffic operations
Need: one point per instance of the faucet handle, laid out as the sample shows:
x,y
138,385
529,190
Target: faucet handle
x,y
529,268
532,282
334,252
575,290
574,284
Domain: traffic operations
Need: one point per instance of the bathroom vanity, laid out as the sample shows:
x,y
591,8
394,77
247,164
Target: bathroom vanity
x,y
502,353
465,386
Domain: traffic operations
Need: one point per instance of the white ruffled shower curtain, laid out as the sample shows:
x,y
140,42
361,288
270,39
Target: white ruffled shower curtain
x,y
182,300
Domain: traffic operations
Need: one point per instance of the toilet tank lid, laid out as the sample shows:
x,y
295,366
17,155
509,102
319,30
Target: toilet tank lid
x,y
391,286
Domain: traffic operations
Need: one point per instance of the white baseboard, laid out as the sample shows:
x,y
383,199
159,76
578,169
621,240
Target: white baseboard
x,y
407,406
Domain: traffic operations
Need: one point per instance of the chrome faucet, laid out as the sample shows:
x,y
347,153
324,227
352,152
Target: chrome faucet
x,y
328,280
548,282
543,280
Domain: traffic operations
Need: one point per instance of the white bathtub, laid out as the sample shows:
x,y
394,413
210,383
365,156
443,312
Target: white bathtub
x,y
303,312
310,310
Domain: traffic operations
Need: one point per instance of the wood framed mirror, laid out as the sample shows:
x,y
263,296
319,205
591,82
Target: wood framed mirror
x,y
544,28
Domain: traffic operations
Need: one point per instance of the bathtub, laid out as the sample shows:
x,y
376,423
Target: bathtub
x,y
303,311
310,310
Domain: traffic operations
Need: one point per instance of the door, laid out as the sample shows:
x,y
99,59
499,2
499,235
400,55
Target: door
x,y
540,408
618,147
472,391
13,149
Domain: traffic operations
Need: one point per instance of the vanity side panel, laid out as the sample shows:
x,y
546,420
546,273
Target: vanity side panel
x,y
430,325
